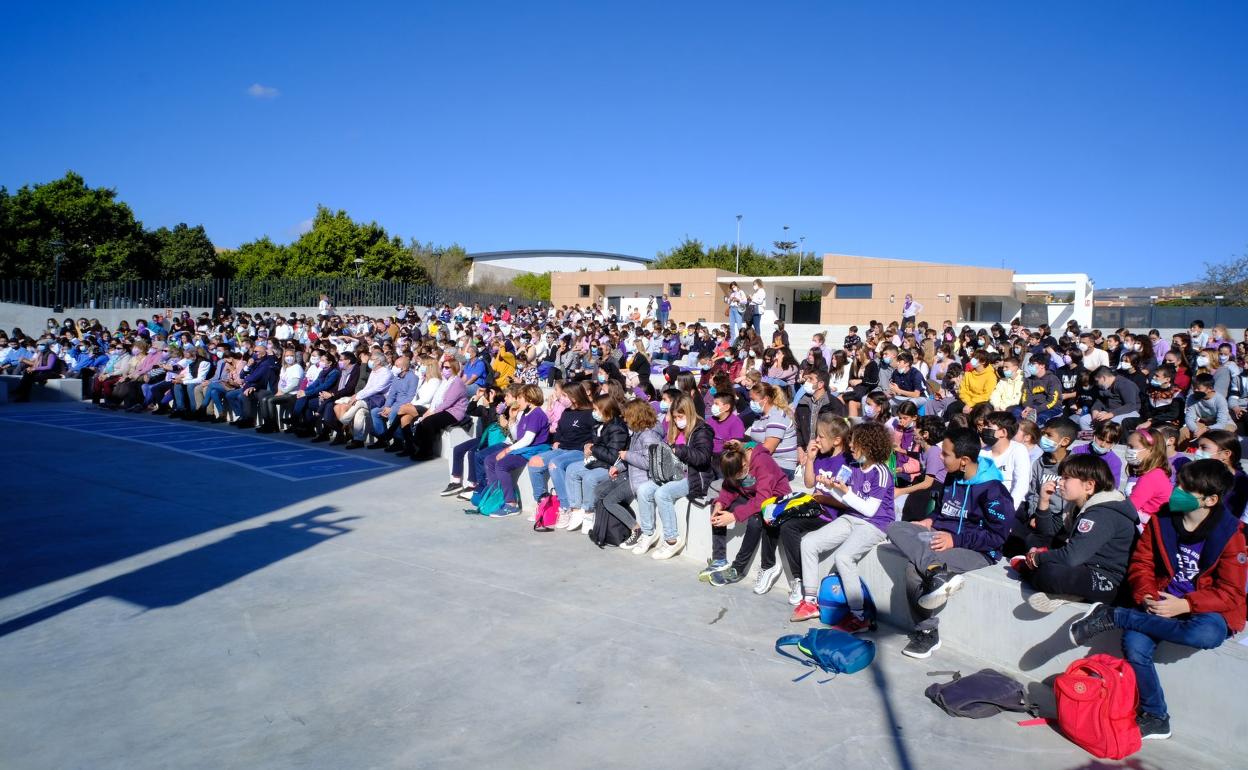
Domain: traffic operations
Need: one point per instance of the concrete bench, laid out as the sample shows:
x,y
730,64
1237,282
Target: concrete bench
x,y
54,390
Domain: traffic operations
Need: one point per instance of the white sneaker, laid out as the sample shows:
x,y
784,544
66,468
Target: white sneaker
x,y
646,542
667,550
562,521
795,592
576,517
766,579
587,526
467,494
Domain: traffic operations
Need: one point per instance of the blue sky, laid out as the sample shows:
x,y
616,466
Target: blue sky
x,y
1107,137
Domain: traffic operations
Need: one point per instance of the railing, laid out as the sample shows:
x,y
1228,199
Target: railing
x,y
1147,316
264,293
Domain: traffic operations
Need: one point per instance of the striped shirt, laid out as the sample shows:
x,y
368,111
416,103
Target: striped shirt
x,y
777,424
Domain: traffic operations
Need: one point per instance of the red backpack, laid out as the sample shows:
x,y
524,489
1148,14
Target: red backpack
x,y
547,513
1096,704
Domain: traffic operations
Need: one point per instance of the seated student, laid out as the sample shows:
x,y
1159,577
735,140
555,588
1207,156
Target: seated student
x,y
573,429
1115,399
906,382
631,469
867,500
531,433
773,426
724,420
1007,395
965,533
1087,558
1177,459
875,408
916,500
1106,435
1186,579
1149,473
691,440
902,429
483,406
978,382
1055,440
1029,436
1163,404
1010,457
1042,392
1224,446
751,477
1206,409
816,401
610,438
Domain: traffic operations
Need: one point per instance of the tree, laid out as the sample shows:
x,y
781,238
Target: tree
x,y
447,267
335,242
260,258
533,285
691,253
1230,279
183,252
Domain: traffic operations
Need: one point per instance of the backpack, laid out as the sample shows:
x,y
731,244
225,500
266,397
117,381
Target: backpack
x,y
982,694
547,512
1096,704
832,605
664,467
608,530
830,649
796,505
488,500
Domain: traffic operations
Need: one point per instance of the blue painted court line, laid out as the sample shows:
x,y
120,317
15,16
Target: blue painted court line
x,y
271,457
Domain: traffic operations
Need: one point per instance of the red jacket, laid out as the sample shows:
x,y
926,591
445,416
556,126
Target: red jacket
x,y
1223,566
769,481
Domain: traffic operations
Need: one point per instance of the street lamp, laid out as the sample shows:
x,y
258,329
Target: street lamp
x,y
358,263
800,251
738,269
59,247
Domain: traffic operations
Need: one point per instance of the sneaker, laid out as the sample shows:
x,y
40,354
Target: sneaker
x,y
667,550
1018,563
466,493
451,489
726,577
587,526
576,517
646,542
712,566
940,586
561,521
1045,602
852,624
805,610
766,579
1096,621
632,539
795,592
922,644
510,509
1153,727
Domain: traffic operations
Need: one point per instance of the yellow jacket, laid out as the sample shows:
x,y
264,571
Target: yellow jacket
x,y
977,386
1008,392
504,366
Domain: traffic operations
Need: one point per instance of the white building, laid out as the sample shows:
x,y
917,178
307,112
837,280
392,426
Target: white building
x,y
1055,299
505,265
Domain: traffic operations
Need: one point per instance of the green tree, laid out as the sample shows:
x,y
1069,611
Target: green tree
x,y
533,285
691,253
261,258
183,252
96,236
446,266
335,242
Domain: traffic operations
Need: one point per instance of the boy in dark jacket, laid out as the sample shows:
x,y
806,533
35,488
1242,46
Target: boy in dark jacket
x,y
1086,560
1187,580
965,533
1042,392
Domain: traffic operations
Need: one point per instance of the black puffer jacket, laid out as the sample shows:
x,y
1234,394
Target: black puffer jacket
x,y
698,454
1100,535
610,438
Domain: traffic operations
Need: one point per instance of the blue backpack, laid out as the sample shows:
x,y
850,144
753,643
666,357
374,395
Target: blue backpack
x,y
832,605
488,500
829,649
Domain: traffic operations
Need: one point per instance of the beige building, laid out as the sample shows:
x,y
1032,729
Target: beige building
x,y
848,290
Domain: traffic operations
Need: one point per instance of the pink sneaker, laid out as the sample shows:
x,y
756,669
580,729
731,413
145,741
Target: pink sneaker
x,y
852,625
805,610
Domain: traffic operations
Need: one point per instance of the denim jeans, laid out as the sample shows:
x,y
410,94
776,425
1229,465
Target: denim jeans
x,y
215,395
538,474
559,473
1141,631
651,496
383,425
734,322
581,482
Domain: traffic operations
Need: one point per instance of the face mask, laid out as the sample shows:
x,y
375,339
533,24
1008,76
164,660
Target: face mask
x,y
597,416
1047,444
42,346
396,371
289,360
860,459
728,359
747,481
135,351
1133,456
602,377
756,407
869,410
1202,455
1124,365
1032,370
423,369
681,423
1182,501
1067,360
1097,448
715,410
1223,357
1156,383
1007,374
974,363
446,372
664,406
1202,360
704,367
1083,347
988,436
940,356
343,364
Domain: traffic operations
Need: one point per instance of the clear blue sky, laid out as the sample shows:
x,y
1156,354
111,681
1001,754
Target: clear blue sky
x,y
1107,137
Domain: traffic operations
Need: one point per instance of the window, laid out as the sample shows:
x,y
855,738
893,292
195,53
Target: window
x,y
584,290
673,290
853,291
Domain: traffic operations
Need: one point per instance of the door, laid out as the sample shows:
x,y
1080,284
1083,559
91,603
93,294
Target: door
x,y
806,306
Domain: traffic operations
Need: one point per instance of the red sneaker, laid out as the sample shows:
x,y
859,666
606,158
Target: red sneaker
x,y
852,625
806,610
1018,563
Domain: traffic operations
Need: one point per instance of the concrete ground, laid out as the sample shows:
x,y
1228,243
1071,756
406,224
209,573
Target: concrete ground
x,y
162,609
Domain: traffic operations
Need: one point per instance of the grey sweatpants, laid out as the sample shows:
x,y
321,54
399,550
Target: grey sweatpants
x,y
905,536
851,538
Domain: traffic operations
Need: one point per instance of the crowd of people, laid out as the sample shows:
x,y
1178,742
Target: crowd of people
x,y
960,447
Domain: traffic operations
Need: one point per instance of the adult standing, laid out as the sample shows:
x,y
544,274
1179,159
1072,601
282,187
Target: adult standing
x,y
664,310
909,310
737,305
325,309
758,303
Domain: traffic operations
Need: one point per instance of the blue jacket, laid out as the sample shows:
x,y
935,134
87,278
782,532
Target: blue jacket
x,y
326,380
262,374
474,372
402,390
977,512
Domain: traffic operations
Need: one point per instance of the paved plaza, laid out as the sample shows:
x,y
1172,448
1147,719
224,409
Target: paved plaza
x,y
173,599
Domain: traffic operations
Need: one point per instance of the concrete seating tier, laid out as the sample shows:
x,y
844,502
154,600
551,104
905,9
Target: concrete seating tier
x,y
53,390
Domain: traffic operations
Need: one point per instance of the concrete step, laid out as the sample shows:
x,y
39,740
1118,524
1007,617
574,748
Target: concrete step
x,y
53,390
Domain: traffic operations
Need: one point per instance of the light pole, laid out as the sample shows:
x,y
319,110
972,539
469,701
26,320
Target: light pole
x,y
57,307
786,241
358,263
738,268
800,251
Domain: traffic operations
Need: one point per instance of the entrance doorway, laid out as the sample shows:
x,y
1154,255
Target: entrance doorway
x,y
806,304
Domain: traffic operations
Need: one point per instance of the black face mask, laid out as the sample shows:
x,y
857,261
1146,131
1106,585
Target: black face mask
x,y
988,436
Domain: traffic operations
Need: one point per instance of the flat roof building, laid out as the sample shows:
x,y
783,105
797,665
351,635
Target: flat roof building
x,y
505,265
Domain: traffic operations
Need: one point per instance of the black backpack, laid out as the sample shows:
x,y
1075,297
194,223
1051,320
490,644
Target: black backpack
x,y
982,694
608,530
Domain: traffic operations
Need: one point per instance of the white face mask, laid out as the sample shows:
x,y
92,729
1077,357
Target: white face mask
x,y
681,423
289,360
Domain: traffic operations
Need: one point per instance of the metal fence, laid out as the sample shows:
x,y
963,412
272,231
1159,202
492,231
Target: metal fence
x,y
203,293
1168,316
